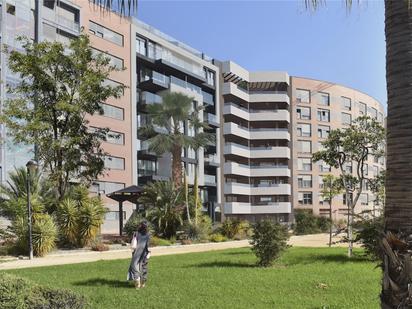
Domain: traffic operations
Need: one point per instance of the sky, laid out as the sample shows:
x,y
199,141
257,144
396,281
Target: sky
x,y
330,44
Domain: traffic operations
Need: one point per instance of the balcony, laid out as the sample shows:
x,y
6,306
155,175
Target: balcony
x,y
256,115
61,21
154,83
264,96
208,98
231,89
212,119
143,150
233,168
263,189
186,86
210,180
148,98
256,133
212,160
256,152
248,208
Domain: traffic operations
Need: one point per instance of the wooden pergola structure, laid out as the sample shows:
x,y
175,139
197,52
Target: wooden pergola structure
x,y
129,194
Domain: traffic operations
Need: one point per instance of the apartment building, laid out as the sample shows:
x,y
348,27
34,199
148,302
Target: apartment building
x,y
316,108
256,150
266,124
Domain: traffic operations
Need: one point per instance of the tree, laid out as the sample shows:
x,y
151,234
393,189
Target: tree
x,y
348,150
332,186
166,132
125,7
69,85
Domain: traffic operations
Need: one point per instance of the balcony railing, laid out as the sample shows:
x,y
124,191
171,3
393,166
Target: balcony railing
x,y
60,20
212,159
211,179
184,84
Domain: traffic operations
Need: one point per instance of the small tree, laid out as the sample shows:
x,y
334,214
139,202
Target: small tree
x,y
351,147
269,240
68,84
332,186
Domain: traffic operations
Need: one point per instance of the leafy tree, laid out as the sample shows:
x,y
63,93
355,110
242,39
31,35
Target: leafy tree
x,y
351,147
165,205
69,85
332,186
269,240
173,116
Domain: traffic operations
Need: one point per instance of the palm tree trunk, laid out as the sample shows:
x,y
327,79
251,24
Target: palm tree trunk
x,y
177,166
398,206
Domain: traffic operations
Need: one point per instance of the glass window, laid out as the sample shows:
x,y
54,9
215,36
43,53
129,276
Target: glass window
x,y
305,198
375,171
147,167
323,131
304,181
106,186
323,115
320,181
324,98
365,170
302,95
114,137
304,129
372,112
346,119
304,164
305,146
362,109
303,113
114,61
345,198
210,77
324,167
105,33
364,199
112,111
114,163
380,117
112,83
346,104
141,46
114,216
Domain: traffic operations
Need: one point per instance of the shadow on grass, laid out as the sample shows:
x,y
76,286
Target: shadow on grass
x,y
238,253
326,258
106,282
223,264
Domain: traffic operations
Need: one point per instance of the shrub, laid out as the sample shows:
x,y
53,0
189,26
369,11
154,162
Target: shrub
x,y
231,227
19,293
186,242
100,247
216,237
199,231
306,223
44,235
323,224
369,235
156,241
269,240
133,223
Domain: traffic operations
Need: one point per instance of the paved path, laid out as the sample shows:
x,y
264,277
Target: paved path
x,y
318,240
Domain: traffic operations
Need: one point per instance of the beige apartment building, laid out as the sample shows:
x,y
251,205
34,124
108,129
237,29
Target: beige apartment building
x,y
266,124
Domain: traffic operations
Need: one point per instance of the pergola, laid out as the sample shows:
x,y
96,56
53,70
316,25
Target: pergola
x,y
129,194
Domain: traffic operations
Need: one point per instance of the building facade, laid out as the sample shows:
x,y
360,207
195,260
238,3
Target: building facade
x,y
266,124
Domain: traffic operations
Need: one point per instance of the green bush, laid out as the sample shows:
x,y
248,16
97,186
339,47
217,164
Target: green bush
x,y
216,237
19,293
370,232
156,241
133,223
44,235
269,240
231,227
307,223
199,231
323,223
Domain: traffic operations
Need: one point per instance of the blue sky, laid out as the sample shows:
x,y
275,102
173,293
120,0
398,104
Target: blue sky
x,y
331,44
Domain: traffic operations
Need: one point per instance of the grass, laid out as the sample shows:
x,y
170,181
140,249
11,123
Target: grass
x,y
302,278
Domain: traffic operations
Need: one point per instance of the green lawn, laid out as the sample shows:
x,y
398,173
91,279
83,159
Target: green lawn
x,y
302,278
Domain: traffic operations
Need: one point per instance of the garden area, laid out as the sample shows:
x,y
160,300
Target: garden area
x,y
300,278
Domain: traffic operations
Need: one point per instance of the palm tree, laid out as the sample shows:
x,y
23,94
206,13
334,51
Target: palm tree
x,y
166,132
125,7
397,264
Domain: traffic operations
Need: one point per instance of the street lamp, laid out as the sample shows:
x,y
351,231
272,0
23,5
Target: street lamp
x,y
31,168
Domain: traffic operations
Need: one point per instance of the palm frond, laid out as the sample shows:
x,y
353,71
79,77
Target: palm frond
x,y
124,7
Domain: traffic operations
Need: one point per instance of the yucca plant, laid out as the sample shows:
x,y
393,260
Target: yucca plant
x,y
67,219
44,235
91,215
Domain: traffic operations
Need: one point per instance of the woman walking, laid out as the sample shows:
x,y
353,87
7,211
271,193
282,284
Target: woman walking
x,y
138,265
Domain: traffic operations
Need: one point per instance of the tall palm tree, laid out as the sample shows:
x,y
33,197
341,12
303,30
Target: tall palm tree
x,y
397,264
124,7
166,131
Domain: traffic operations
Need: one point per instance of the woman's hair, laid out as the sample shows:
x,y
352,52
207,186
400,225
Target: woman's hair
x,y
142,228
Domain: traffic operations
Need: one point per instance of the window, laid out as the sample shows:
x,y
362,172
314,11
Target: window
x,y
114,61
305,146
380,117
114,163
323,131
302,96
105,33
365,184
305,164
364,199
303,113
372,112
112,83
210,76
375,170
304,129
362,108
365,169
146,167
324,167
114,216
106,186
304,181
320,180
346,104
320,146
112,111
346,119
324,115
113,137
348,168
305,198
141,46
324,98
